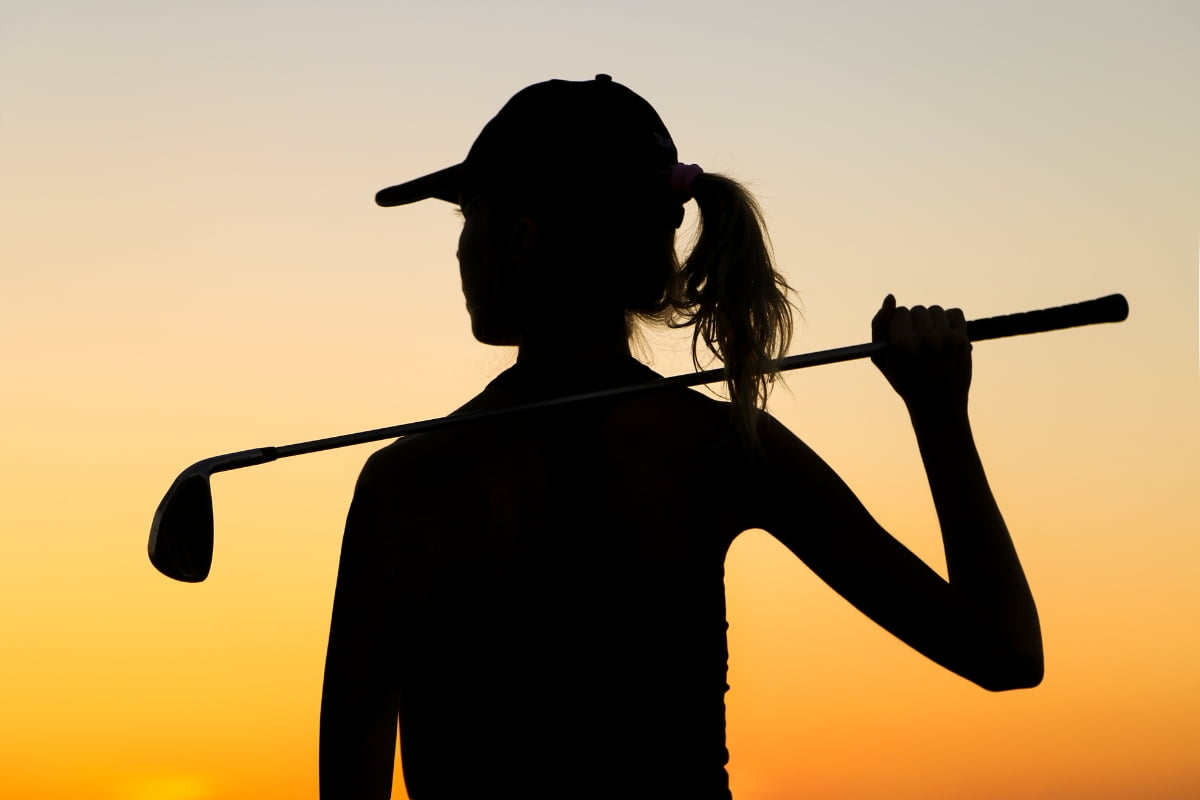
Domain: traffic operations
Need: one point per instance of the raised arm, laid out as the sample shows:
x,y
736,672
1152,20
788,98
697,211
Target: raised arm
x,y
982,623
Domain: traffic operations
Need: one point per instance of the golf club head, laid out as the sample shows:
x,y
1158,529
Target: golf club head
x,y
181,535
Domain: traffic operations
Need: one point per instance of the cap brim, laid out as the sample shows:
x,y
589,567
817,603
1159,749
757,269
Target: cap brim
x,y
441,185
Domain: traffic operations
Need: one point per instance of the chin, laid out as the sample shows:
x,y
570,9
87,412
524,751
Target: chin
x,y
487,329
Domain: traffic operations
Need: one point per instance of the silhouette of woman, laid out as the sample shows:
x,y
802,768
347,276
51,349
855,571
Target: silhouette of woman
x,y
538,604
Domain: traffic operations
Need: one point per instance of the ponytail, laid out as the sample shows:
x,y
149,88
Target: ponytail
x,y
728,290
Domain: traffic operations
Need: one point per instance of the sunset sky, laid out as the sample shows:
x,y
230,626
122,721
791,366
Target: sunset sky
x,y
191,263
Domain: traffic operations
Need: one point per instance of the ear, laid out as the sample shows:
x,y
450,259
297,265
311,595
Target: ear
x,y
526,237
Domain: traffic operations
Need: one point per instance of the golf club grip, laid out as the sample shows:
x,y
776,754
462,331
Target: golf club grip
x,y
1112,308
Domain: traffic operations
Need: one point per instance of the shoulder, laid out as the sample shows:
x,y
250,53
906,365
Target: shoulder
x,y
426,452
410,466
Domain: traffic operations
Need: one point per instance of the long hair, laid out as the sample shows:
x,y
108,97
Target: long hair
x,y
726,288
728,291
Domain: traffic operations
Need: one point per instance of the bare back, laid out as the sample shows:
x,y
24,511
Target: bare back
x,y
557,591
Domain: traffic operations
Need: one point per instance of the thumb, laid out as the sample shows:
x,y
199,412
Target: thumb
x,y
882,319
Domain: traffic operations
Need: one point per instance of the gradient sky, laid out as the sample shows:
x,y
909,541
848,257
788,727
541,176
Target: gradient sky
x,y
192,263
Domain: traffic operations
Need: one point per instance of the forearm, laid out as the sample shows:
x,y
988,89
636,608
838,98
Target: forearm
x,y
984,570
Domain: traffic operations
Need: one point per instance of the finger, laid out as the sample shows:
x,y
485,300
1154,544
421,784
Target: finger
x,y
937,319
922,325
940,329
957,321
900,329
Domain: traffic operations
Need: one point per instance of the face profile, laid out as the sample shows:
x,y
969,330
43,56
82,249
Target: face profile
x,y
496,251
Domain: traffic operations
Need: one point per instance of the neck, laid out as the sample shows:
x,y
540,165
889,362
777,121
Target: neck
x,y
585,342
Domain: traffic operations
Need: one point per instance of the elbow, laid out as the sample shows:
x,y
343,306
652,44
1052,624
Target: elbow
x,y
1017,671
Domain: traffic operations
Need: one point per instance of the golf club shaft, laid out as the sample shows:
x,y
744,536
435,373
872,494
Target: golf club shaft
x,y
181,535
1112,308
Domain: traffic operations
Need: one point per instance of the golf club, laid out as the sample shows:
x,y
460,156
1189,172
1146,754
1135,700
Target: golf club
x,y
181,535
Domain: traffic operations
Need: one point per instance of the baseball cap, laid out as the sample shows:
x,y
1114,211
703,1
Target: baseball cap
x,y
557,141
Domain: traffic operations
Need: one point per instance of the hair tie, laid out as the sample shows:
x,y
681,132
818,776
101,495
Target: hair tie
x,y
682,176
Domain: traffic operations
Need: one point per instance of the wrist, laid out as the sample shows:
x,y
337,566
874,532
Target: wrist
x,y
939,416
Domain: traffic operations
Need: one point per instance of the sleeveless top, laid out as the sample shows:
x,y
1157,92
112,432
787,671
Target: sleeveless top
x,y
559,594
